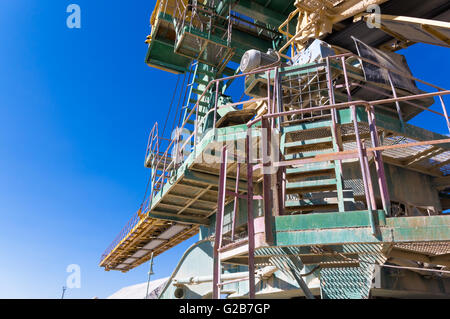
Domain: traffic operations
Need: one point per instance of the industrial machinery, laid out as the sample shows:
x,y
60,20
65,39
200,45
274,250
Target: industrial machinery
x,y
293,156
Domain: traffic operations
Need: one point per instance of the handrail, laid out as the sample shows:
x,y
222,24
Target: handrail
x,y
162,158
347,104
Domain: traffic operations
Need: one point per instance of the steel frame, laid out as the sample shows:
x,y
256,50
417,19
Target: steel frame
x,y
270,121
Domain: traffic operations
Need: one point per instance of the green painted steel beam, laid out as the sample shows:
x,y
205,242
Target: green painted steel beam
x,y
243,41
178,218
261,13
424,228
325,221
325,236
354,227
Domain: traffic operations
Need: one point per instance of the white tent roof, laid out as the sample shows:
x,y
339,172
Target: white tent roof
x,y
138,291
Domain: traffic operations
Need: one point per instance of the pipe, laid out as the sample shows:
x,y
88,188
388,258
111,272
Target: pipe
x,y
197,280
354,7
364,171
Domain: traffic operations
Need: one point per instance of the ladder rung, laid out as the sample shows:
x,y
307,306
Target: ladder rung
x,y
200,92
199,81
199,113
311,167
306,154
309,142
211,74
200,103
307,184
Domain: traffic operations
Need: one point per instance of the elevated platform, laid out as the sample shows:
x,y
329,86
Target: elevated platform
x,y
337,238
184,203
161,41
189,199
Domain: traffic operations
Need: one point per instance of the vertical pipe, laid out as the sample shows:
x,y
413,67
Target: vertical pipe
x,y
363,171
215,108
279,98
150,273
397,104
236,202
267,187
281,186
250,222
196,131
360,150
384,192
444,109
335,133
219,224
269,108
274,94
369,179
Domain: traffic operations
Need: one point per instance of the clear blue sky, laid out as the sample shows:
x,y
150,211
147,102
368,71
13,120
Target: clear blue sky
x,y
76,107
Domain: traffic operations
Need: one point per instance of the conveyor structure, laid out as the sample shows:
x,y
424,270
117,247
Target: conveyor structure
x,y
303,176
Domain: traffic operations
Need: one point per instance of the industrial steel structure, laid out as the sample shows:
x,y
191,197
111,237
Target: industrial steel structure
x,y
292,153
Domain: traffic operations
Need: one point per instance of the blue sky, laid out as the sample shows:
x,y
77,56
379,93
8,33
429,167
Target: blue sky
x,y
76,107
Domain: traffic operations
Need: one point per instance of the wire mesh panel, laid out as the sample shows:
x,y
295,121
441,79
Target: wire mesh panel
x,y
305,88
204,35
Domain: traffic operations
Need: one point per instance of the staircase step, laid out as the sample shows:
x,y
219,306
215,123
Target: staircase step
x,y
228,71
201,103
310,144
310,167
310,202
202,82
200,92
310,170
311,186
199,113
208,73
307,127
310,205
306,154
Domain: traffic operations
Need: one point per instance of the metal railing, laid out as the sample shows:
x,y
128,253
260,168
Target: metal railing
x,y
274,117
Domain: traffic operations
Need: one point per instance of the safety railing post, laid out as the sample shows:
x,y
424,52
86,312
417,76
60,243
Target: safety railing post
x,y
266,140
360,148
335,134
219,223
369,177
236,202
397,104
444,109
250,217
215,108
379,164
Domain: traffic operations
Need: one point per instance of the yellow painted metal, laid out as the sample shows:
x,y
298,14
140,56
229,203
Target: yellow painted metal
x,y
317,17
167,7
408,29
173,8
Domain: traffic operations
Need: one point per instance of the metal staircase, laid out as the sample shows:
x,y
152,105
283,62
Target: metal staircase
x,y
317,186
201,76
